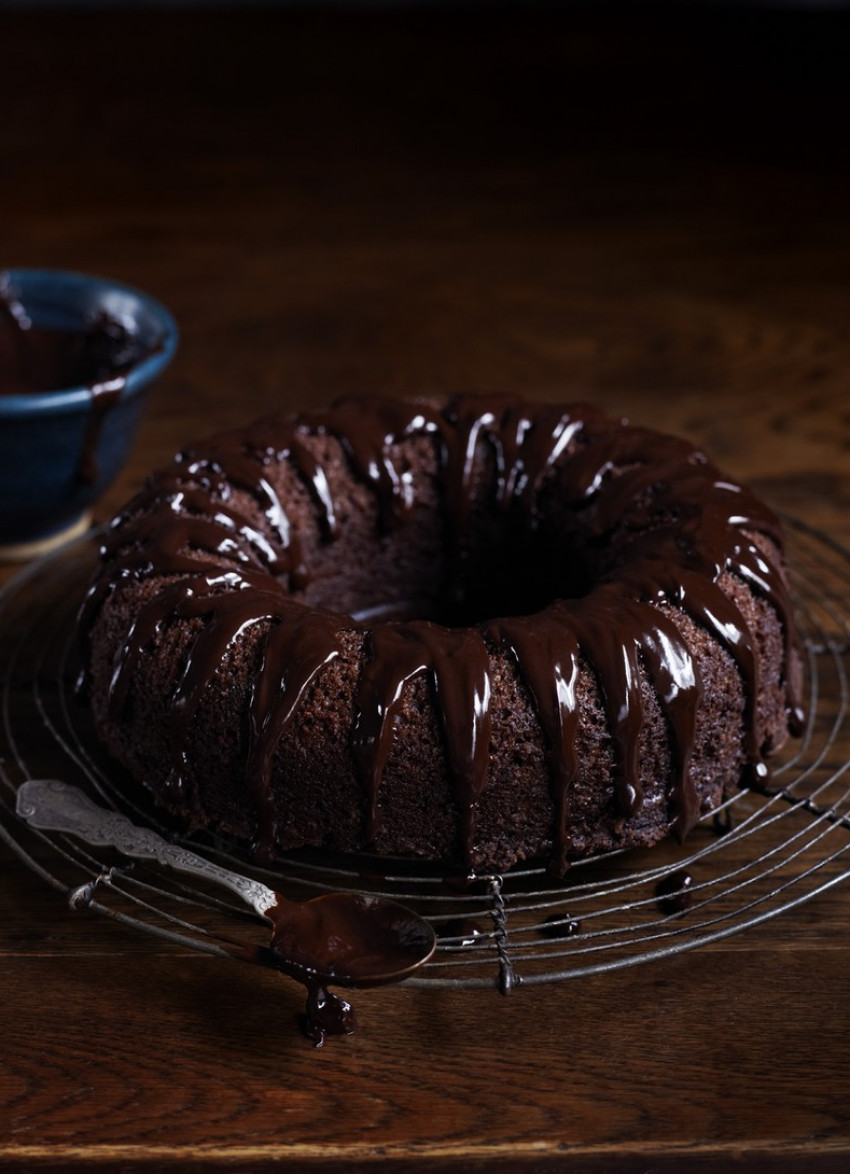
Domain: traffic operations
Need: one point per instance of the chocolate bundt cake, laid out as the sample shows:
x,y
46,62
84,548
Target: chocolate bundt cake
x,y
475,631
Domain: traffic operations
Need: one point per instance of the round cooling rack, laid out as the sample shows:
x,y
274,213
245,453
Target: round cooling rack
x,y
760,855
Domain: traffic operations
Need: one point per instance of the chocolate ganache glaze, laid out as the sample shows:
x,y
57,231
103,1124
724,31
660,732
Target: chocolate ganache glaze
x,y
475,629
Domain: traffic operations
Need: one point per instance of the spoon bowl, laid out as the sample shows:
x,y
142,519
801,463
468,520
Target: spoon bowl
x,y
350,938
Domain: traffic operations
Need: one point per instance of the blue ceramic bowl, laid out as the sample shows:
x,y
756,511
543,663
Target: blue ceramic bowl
x,y
61,448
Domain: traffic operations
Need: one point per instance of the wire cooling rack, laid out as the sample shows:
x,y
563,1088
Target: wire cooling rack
x,y
760,855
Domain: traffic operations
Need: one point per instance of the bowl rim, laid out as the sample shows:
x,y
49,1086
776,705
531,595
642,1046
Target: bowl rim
x,y
72,399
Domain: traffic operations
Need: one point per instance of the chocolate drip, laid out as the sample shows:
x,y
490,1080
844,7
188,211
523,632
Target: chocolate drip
x,y
460,931
226,616
674,893
710,608
326,1014
104,396
558,926
367,429
659,522
457,666
547,656
293,654
238,460
617,636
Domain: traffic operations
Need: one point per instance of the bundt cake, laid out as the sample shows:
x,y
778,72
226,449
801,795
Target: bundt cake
x,y
474,630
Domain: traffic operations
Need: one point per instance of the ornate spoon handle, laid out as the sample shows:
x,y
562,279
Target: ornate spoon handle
x,y
55,806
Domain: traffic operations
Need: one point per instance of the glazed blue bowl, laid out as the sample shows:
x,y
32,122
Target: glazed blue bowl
x,y
61,447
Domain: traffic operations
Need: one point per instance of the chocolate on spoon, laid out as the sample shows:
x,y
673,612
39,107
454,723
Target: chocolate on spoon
x,y
345,939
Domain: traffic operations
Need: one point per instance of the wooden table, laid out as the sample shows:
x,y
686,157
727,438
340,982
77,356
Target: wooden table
x,y
636,208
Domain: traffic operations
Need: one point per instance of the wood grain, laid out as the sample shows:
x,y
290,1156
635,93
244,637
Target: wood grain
x,y
643,209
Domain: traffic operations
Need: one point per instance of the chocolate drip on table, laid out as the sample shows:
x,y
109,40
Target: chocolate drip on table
x,y
339,939
681,526
674,893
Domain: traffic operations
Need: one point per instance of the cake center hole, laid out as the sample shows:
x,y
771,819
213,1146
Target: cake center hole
x,y
515,577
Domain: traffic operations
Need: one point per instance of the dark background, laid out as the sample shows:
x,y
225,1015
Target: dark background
x,y
641,204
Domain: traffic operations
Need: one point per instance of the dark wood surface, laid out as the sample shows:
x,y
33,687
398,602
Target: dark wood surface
x,y
634,207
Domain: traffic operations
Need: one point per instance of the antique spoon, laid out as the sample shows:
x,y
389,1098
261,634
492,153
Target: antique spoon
x,y
347,939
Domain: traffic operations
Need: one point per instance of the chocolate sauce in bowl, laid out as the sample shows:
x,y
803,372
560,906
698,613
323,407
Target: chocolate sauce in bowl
x,y
460,931
37,359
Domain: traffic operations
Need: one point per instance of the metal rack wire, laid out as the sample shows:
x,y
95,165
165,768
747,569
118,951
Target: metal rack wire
x,y
761,855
